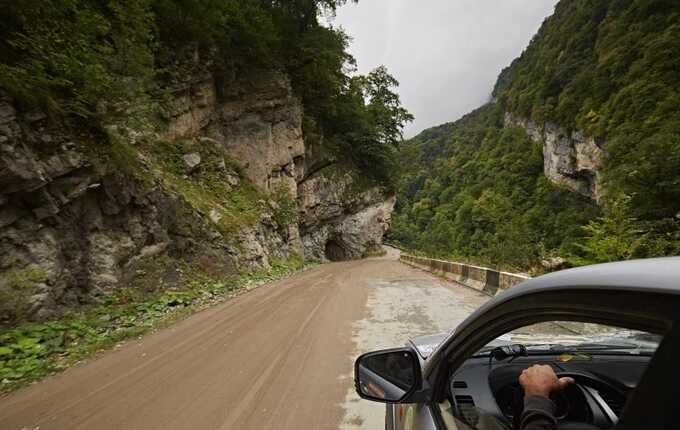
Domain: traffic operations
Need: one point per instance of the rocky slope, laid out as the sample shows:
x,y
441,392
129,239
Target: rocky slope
x,y
570,159
220,184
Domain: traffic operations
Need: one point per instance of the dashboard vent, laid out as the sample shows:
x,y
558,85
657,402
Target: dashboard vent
x,y
460,384
614,401
467,410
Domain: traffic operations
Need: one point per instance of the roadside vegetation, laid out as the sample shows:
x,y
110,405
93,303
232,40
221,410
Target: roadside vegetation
x,y
34,350
475,191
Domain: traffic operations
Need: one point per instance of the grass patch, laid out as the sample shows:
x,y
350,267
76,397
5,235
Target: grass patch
x,y
234,208
112,153
207,189
16,287
286,209
370,254
22,279
33,351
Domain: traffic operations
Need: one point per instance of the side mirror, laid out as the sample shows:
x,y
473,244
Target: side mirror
x,y
387,376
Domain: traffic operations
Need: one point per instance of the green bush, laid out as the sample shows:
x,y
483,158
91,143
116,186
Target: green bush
x,y
67,55
285,205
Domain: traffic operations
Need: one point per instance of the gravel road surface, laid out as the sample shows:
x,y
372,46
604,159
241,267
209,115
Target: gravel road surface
x,y
279,357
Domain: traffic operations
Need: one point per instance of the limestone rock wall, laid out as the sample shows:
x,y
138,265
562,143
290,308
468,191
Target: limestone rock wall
x,y
73,231
569,159
70,233
339,221
258,122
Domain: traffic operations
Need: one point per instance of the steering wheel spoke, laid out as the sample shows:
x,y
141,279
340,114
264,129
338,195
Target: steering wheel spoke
x,y
590,386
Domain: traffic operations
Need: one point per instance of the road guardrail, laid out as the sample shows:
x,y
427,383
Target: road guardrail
x,y
483,279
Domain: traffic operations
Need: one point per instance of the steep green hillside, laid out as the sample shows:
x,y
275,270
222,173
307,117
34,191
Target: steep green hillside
x,y
474,189
611,69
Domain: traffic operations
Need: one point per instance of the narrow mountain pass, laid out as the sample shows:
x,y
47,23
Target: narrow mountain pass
x,y
277,357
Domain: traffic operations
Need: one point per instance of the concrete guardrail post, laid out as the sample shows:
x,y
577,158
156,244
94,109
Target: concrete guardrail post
x,y
492,282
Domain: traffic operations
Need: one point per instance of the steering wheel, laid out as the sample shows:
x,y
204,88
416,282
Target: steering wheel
x,y
590,385
598,414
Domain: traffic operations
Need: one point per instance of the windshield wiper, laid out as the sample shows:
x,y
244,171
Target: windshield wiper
x,y
593,347
627,348
558,348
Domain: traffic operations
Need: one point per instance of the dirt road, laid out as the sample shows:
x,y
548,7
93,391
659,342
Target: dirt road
x,y
279,357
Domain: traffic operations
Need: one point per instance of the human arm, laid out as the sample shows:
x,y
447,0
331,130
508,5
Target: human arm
x,y
538,381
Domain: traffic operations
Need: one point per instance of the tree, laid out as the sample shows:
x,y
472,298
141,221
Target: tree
x,y
612,237
384,106
67,55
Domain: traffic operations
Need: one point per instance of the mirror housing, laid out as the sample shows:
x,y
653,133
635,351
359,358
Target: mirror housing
x,y
387,376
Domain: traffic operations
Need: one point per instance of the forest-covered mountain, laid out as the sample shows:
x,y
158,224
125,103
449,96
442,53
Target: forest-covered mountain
x,y
577,157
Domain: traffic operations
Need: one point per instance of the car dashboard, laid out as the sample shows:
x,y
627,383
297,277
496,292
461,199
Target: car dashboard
x,y
603,384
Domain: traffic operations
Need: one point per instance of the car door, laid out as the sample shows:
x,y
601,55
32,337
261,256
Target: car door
x,y
639,295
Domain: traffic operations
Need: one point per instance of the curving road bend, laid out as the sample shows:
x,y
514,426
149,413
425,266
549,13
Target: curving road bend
x,y
279,357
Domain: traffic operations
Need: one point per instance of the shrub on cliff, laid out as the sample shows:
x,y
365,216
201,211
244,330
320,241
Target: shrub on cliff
x,y
67,55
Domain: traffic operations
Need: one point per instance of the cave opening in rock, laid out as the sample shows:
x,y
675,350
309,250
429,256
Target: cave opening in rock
x,y
335,251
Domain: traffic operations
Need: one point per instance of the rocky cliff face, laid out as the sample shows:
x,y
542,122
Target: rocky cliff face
x,y
72,230
340,221
258,123
220,186
569,159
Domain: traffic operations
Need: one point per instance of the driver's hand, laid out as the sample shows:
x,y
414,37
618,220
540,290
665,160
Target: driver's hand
x,y
540,380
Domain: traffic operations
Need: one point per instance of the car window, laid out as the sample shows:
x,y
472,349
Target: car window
x,y
485,392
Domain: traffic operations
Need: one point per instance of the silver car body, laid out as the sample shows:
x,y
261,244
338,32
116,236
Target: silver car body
x,y
614,292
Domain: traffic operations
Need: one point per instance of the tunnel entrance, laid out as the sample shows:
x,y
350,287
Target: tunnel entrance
x,y
335,251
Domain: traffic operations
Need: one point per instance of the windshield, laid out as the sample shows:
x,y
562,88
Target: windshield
x,y
563,336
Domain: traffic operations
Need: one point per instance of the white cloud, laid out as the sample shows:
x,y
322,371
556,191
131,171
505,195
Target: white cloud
x,y
446,53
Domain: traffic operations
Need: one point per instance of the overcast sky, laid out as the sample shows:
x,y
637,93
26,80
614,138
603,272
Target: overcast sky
x,y
446,54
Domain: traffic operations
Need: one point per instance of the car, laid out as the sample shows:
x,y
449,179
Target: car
x,y
612,327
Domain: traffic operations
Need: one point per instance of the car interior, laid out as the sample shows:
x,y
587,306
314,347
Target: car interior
x,y
605,375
